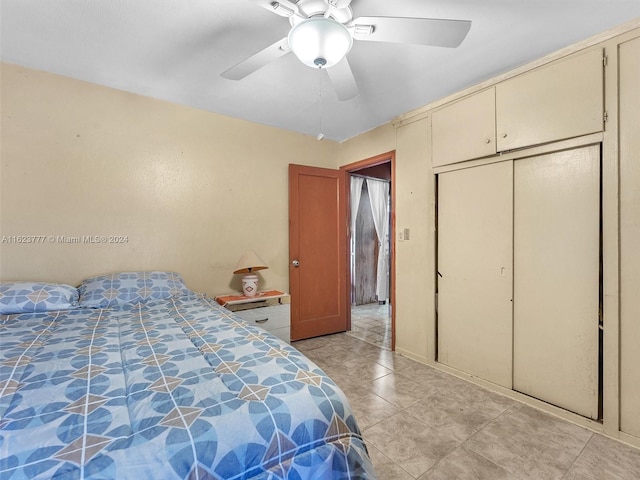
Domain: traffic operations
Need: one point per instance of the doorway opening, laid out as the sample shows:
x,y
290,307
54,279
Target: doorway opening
x,y
371,250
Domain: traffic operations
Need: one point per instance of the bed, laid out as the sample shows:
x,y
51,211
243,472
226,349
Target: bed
x,y
140,378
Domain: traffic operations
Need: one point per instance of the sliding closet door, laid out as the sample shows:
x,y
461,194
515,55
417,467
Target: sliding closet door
x,y
556,278
475,271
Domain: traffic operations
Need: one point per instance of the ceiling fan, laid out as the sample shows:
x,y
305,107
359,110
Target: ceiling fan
x,y
323,31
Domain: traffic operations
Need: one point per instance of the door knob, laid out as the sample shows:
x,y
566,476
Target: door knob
x,y
295,263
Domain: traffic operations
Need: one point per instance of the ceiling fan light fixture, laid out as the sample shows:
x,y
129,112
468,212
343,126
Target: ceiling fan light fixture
x,y
320,42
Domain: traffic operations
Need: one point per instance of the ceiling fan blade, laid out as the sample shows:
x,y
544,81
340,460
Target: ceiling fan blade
x,y
284,8
343,81
259,60
417,31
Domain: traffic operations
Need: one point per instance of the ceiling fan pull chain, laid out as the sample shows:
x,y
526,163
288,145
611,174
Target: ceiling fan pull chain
x,y
320,134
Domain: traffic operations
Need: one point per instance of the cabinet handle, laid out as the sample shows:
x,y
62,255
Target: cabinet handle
x,y
488,140
261,320
504,135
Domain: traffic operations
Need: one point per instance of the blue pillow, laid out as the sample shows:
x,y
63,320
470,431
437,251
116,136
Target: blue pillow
x,y
130,287
29,297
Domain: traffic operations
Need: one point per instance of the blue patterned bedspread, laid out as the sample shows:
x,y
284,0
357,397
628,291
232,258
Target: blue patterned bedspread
x,y
172,389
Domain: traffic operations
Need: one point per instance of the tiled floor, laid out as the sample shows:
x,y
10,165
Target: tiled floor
x,y
421,423
372,323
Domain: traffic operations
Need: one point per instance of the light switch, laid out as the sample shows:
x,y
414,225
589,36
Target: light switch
x,y
406,234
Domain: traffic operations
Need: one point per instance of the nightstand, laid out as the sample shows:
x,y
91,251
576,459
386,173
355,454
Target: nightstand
x,y
269,309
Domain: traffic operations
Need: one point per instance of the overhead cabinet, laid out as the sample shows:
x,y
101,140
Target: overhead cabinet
x,y
465,129
558,101
564,99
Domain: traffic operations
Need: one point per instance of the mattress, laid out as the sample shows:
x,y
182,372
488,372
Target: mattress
x,y
177,388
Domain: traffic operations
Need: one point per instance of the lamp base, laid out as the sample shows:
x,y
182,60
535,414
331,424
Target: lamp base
x,y
250,285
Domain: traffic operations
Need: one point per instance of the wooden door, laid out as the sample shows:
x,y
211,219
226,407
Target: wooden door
x,y
317,251
475,271
556,278
629,58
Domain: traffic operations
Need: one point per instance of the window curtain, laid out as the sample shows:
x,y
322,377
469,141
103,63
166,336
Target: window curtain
x,y
379,198
356,194
354,200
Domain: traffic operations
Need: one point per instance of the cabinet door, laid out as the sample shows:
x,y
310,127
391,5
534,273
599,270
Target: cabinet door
x,y
629,58
465,129
556,278
558,101
474,271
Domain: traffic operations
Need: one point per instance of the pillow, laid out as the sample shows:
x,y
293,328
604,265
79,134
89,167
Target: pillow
x,y
29,297
130,287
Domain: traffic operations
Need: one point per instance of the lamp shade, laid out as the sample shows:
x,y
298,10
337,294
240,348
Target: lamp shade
x,y
320,42
250,262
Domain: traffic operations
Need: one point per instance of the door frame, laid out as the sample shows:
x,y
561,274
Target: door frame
x,y
388,157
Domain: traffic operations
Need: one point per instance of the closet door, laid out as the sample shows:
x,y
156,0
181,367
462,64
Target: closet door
x,y
556,278
475,271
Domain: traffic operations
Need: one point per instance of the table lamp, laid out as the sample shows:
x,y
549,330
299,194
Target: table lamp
x,y
250,262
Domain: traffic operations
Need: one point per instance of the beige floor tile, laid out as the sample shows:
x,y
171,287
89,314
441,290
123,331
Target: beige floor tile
x,y
361,370
386,469
531,443
458,414
372,323
410,443
369,408
392,360
606,459
434,379
401,391
464,464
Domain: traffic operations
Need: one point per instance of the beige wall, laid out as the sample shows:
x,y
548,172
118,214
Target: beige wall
x,y
189,190
414,209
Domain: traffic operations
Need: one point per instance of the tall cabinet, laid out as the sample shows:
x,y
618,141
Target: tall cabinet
x,y
518,233
629,114
538,233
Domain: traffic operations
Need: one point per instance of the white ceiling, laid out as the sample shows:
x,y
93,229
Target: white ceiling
x,y
175,50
